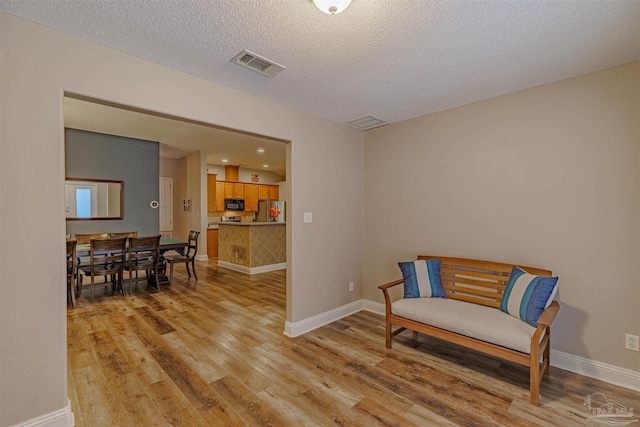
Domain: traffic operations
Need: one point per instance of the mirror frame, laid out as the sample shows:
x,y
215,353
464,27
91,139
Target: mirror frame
x,y
96,218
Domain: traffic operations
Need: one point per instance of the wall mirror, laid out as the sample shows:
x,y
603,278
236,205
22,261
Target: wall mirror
x,y
93,199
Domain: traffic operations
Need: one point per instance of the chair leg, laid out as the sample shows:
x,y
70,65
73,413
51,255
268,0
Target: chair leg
x,y
131,283
121,282
170,276
193,267
188,272
71,290
92,279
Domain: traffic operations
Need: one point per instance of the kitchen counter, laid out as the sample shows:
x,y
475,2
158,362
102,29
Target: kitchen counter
x,y
252,247
244,224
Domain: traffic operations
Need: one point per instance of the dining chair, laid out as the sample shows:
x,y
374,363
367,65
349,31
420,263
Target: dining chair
x,y
123,234
72,265
106,257
85,239
188,257
143,254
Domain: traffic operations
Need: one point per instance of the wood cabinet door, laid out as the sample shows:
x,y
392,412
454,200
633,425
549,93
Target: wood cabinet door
x,y
263,192
251,192
212,244
274,191
219,196
211,192
233,190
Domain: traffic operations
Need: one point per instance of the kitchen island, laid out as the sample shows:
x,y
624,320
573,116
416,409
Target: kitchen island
x,y
252,247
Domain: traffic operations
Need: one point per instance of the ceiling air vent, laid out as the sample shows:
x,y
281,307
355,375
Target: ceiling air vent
x,y
257,63
366,123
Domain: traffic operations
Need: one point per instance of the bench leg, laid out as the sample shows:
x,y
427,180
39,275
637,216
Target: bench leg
x,y
535,384
547,353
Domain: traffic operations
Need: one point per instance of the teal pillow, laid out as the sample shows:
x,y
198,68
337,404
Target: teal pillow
x,y
422,279
527,295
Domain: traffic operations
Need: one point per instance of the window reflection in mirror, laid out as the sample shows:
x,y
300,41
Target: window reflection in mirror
x,y
87,199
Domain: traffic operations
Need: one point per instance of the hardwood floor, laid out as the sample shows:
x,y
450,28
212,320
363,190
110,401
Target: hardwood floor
x,y
213,354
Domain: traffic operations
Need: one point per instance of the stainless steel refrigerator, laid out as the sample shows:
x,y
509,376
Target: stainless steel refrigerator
x,y
264,214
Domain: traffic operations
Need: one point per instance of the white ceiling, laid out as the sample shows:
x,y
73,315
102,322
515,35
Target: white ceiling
x,y
392,59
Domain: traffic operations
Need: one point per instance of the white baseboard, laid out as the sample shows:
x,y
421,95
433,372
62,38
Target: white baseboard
x,y
298,328
252,270
202,258
597,370
61,418
590,368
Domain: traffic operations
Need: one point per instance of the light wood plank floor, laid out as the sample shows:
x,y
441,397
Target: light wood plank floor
x,y
213,354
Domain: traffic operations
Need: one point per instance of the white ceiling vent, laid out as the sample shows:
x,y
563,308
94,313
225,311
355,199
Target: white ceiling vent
x,y
257,63
366,123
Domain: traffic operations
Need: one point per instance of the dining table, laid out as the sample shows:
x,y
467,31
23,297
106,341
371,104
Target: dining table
x,y
165,245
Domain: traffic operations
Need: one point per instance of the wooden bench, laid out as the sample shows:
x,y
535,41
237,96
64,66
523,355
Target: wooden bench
x,y
480,282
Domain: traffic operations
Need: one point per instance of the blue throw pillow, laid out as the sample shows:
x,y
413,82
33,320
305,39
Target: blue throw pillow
x,y
527,295
422,279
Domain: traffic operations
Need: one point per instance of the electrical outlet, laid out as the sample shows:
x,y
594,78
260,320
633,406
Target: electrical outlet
x,y
350,286
632,342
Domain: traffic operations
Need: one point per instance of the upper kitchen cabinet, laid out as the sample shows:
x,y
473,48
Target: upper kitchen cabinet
x,y
233,190
251,196
211,193
219,196
268,192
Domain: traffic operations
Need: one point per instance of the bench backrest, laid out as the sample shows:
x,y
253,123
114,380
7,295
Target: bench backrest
x,y
477,281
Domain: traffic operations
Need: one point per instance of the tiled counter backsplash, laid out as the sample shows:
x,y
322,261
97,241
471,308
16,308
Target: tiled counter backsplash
x,y
253,246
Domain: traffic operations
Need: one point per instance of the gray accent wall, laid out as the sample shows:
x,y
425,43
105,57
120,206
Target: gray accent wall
x,y
134,161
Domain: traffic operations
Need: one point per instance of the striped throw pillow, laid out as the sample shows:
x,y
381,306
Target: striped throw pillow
x,y
527,295
422,279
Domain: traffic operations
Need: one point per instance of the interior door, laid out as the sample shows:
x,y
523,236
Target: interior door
x,y
166,204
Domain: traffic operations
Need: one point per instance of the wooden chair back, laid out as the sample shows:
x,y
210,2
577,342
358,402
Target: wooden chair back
x,y
85,239
192,248
142,253
477,281
123,234
106,256
72,265
72,260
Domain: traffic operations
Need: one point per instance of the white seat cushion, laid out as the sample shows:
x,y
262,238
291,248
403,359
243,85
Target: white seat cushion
x,y
472,320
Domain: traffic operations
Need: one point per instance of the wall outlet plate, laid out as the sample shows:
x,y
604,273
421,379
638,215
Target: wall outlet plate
x,y
632,342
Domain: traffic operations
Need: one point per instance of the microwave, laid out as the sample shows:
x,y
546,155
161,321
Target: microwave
x,y
233,204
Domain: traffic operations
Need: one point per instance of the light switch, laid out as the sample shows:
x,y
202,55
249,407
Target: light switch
x,y
308,217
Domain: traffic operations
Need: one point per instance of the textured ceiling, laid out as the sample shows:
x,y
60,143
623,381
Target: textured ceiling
x,y
393,59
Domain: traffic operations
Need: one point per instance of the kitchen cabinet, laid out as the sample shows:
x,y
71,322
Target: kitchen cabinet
x,y
251,195
233,190
274,192
211,192
219,196
212,244
268,192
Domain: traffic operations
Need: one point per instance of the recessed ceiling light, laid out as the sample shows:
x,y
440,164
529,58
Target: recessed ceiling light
x,y
260,150
225,161
265,166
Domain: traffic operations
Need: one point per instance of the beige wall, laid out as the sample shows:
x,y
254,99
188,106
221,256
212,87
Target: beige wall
x,y
544,177
37,65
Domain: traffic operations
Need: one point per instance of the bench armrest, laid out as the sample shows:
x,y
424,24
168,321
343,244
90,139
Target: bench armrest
x,y
387,299
390,284
549,313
